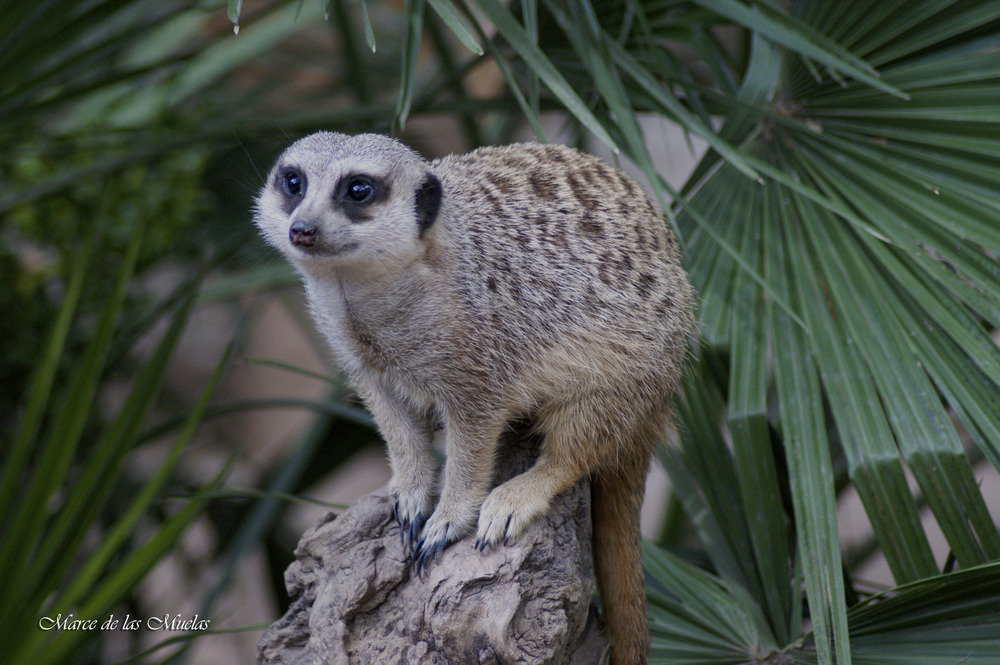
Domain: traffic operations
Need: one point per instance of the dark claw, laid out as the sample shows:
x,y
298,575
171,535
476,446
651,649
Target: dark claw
x,y
402,526
408,530
420,560
424,553
415,526
506,531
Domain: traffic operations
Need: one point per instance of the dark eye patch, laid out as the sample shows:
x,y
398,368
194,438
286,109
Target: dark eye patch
x,y
357,192
291,181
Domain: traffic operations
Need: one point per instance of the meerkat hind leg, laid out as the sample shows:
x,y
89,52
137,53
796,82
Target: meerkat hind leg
x,y
513,505
572,446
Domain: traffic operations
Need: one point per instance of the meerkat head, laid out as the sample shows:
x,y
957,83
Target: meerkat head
x,y
338,203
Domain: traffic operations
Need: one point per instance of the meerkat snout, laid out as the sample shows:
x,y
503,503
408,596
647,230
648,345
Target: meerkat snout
x,y
302,233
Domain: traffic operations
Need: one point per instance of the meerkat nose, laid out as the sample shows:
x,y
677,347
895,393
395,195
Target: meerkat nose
x,y
302,233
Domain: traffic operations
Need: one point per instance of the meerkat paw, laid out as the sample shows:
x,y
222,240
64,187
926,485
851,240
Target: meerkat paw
x,y
443,528
411,508
507,511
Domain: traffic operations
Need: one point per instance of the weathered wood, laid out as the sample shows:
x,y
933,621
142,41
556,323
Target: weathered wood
x,y
357,601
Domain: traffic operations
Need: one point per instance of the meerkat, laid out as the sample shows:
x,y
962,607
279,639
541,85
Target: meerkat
x,y
518,281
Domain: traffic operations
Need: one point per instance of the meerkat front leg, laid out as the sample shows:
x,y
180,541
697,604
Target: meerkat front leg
x,y
470,445
407,430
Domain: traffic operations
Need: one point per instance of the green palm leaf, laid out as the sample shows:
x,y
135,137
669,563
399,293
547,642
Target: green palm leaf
x,y
880,250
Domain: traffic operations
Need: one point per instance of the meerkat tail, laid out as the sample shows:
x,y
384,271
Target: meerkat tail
x,y
616,498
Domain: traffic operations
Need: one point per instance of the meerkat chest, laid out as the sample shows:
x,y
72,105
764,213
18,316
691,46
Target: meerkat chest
x,y
328,309
398,334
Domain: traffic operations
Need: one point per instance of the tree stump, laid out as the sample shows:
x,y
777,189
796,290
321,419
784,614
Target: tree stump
x,y
356,600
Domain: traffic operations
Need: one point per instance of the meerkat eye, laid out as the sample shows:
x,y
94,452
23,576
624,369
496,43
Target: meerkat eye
x,y
359,190
292,183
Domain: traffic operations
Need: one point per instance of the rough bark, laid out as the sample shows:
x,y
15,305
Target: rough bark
x,y
355,599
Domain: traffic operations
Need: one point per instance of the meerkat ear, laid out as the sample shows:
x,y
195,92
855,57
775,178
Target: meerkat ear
x,y
428,202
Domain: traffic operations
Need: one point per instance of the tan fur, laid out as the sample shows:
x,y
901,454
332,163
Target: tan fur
x,y
543,284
